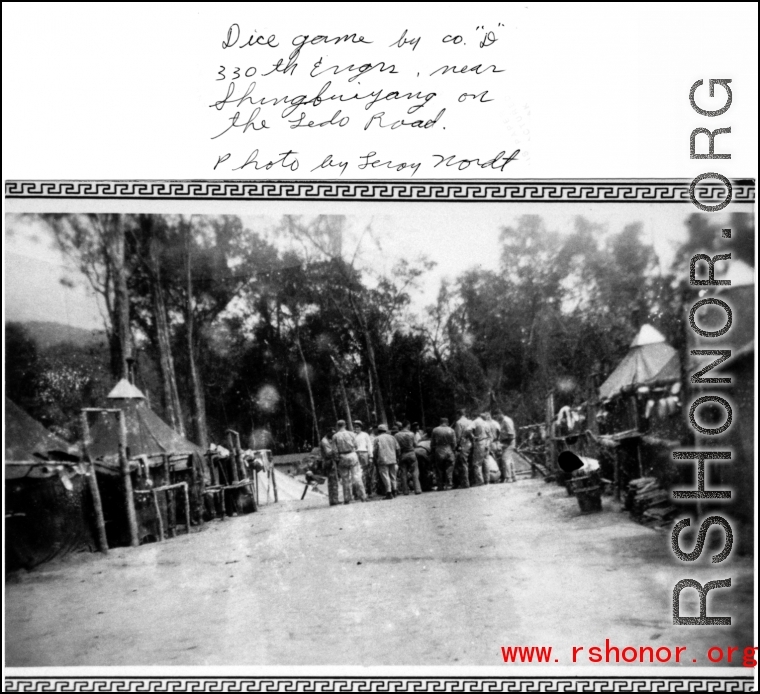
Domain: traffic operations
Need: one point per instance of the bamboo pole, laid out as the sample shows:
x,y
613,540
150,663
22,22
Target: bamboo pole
x,y
158,516
187,508
256,483
129,500
234,455
92,481
171,500
274,484
199,483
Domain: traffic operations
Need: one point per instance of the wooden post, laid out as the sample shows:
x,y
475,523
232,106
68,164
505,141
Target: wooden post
x,y
199,484
274,482
158,516
129,499
187,507
251,486
233,456
171,505
212,469
224,505
92,481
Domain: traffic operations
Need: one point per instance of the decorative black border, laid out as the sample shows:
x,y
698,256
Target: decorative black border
x,y
381,684
460,191
465,190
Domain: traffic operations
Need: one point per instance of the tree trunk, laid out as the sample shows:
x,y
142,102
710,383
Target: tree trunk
x,y
307,378
347,407
334,406
123,341
379,404
165,360
419,386
198,409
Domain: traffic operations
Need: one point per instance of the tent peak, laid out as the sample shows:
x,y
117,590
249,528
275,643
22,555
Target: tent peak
x,y
124,390
648,335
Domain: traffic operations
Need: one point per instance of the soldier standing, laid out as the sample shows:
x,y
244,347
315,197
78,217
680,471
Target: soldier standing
x,y
344,443
386,453
408,460
481,440
364,451
424,463
463,450
494,432
443,442
329,466
507,463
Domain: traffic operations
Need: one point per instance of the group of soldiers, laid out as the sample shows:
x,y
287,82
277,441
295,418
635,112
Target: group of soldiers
x,y
407,459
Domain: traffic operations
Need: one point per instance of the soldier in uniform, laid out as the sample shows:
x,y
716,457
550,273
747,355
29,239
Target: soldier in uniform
x,y
507,436
344,444
463,451
425,463
407,461
386,452
364,451
494,432
481,442
443,442
329,466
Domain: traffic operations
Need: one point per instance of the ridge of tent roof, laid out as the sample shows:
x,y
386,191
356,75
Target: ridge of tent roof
x,y
648,335
124,390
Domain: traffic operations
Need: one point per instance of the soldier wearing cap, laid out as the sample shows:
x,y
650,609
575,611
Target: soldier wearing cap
x,y
363,450
329,466
344,444
386,453
481,443
408,460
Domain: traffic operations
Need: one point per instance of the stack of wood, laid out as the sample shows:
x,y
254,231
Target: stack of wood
x,y
648,502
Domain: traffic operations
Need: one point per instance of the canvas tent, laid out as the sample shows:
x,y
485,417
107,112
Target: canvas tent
x,y
151,444
147,433
48,507
648,355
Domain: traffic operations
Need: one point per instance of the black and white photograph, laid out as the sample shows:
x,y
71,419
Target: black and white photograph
x,y
428,434
379,347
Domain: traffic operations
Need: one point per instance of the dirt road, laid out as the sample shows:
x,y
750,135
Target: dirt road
x,y
442,578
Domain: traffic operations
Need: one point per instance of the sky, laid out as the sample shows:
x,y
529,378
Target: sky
x,y
455,237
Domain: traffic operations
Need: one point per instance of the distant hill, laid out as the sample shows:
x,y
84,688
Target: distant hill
x,y
48,334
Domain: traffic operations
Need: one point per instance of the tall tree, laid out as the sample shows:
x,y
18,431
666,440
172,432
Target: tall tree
x,y
96,244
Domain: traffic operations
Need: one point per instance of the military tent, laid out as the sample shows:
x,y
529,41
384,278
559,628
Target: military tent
x,y
48,507
147,433
646,358
150,444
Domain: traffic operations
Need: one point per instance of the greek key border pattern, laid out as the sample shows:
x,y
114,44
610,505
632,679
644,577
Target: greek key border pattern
x,y
380,684
545,190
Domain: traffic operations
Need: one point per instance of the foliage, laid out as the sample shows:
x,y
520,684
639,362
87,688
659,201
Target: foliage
x,y
291,332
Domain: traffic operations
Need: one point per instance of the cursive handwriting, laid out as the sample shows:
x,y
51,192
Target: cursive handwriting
x,y
350,87
497,162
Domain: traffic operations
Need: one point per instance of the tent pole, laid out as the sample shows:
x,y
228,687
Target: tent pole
x,y
274,483
158,516
200,486
187,508
129,498
94,489
171,500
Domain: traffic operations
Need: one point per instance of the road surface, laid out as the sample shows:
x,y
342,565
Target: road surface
x,y
439,579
